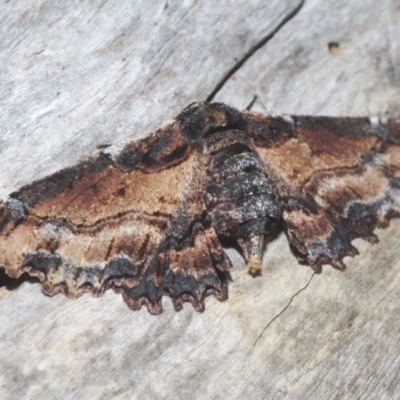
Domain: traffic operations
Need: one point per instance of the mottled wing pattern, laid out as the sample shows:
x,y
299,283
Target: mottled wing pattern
x,y
338,179
148,220
134,222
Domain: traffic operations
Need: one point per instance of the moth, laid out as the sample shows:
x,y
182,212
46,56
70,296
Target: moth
x,y
149,221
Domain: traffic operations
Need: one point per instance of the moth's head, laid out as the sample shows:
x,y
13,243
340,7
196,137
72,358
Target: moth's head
x,y
199,120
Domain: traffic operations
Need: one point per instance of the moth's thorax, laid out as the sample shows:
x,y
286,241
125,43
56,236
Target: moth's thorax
x,y
239,197
200,120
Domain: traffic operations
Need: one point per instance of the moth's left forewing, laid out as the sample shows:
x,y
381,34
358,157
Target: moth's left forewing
x,y
132,221
338,179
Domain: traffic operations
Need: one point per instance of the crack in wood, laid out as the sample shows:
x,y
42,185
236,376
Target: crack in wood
x,y
253,50
277,316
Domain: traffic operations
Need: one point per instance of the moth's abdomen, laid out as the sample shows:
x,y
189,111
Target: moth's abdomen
x,y
240,199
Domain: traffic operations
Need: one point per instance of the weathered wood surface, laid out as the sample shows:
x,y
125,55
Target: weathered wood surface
x,y
77,75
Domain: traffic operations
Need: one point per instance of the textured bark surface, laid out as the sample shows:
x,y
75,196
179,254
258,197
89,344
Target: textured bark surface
x,y
88,74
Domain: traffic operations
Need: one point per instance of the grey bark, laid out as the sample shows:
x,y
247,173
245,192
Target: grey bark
x,y
76,75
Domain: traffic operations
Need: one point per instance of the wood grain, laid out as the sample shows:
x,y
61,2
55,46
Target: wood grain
x,y
79,75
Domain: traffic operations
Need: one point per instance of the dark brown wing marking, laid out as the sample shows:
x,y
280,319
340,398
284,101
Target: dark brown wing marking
x,y
148,221
338,179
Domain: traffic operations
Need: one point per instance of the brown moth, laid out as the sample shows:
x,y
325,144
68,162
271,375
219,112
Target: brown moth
x,y
149,221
